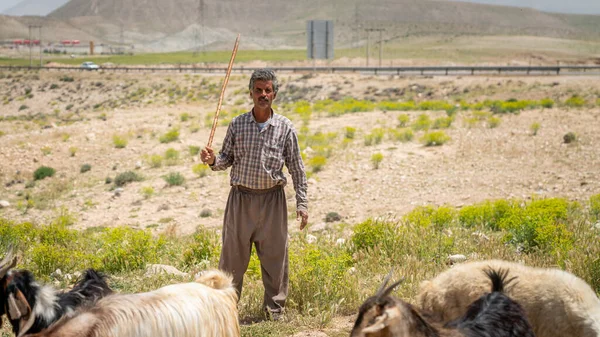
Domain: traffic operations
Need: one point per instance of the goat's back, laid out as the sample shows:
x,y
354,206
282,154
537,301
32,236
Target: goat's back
x,y
557,303
183,310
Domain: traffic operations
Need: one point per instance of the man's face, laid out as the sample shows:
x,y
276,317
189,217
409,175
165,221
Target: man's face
x,y
263,94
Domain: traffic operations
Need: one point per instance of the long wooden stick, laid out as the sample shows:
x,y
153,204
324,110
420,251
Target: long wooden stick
x,y
215,120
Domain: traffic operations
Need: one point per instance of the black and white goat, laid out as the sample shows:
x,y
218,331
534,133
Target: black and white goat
x,y
492,315
31,307
205,308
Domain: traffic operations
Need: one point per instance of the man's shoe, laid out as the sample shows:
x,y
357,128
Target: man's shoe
x,y
274,315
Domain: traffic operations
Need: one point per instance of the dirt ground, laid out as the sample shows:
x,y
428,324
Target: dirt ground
x,y
477,164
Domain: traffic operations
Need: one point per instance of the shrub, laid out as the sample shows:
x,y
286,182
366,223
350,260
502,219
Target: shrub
x,y
171,136
321,281
23,107
53,86
494,122
127,177
435,138
46,150
128,249
376,159
534,127
332,216
194,150
174,179
204,247
155,160
403,120
371,234
201,170
539,224
42,172
84,168
423,122
184,117
119,141
66,79
317,163
349,132
402,135
375,137
147,191
569,137
547,103
426,216
595,207
486,214
171,157
575,102
442,122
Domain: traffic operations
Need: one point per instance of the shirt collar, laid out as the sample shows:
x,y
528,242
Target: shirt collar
x,y
273,121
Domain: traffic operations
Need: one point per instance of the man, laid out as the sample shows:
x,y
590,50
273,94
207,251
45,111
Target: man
x,y
256,146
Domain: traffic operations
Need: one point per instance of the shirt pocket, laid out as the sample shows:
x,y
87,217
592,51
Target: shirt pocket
x,y
273,155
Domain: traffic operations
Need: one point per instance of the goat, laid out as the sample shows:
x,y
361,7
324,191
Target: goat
x,y
33,307
492,315
557,303
207,307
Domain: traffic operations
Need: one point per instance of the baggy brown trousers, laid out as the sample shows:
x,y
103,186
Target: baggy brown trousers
x,y
259,217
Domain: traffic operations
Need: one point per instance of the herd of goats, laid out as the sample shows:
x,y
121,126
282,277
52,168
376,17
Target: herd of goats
x,y
491,298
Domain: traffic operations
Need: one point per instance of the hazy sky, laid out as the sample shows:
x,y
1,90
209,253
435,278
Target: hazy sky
x,y
561,6
6,4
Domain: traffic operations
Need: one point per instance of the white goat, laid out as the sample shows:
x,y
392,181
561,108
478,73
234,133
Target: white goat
x,y
556,302
207,307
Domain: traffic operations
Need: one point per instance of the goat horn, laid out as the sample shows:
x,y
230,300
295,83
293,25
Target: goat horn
x,y
389,290
6,264
385,282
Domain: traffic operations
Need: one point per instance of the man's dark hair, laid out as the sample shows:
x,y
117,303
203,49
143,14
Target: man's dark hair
x,y
264,74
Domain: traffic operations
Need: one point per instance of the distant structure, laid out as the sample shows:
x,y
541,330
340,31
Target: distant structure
x,y
319,39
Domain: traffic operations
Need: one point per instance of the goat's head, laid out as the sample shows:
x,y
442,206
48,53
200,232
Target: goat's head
x,y
14,302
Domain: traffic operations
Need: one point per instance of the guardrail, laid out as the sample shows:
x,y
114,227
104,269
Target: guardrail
x,y
436,70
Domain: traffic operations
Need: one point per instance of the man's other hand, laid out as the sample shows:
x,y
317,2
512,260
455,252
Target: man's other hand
x,y
302,215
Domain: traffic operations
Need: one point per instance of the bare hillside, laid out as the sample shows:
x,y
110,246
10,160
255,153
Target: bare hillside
x,y
270,18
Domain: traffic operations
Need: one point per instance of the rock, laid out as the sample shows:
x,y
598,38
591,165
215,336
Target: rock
x,y
155,269
340,242
4,204
311,238
597,225
117,192
138,165
456,258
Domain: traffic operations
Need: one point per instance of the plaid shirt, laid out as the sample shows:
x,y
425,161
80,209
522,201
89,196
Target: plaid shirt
x,y
257,156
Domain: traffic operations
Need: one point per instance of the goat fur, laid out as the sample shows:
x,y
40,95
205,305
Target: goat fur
x,y
32,307
492,315
556,302
205,308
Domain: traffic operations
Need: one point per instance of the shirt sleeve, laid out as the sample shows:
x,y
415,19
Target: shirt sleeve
x,y
293,161
225,157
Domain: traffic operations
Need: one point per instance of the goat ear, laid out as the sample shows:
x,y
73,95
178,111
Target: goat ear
x,y
383,321
18,306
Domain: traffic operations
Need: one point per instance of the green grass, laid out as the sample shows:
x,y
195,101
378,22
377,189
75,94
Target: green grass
x,y
326,280
173,58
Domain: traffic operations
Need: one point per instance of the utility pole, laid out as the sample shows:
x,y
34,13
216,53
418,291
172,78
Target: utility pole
x,y
40,27
380,30
30,60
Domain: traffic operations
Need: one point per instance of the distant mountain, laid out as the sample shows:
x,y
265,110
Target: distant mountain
x,y
34,7
287,19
